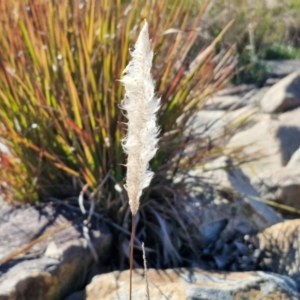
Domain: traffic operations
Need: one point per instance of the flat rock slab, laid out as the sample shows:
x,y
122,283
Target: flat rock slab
x,y
224,102
231,99
269,144
192,284
217,123
282,185
53,268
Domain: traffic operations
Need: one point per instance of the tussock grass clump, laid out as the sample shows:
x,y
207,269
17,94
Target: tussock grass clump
x,y
60,117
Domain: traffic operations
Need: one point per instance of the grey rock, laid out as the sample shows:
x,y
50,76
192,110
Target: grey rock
x,y
53,251
283,96
224,102
280,68
244,216
255,96
217,123
294,162
53,268
233,101
282,185
271,81
223,174
242,247
237,90
193,284
211,231
281,182
268,145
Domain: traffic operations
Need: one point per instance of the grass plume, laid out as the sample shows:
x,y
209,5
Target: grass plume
x,y
140,104
140,143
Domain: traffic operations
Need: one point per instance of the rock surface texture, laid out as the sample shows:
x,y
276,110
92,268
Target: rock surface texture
x,y
280,245
280,68
226,177
192,284
269,144
51,269
282,185
283,96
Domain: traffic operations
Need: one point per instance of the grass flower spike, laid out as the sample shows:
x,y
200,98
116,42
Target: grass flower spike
x,y
140,105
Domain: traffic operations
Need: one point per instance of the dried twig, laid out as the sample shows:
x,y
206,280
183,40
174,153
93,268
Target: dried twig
x,y
145,270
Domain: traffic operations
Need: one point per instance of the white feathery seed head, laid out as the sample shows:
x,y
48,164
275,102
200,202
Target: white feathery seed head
x,y
140,105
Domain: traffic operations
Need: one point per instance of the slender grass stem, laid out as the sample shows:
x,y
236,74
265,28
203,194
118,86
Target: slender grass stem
x,y
131,253
140,143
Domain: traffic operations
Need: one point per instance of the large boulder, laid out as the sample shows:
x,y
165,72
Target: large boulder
x,y
268,145
283,96
53,268
280,246
191,284
282,185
